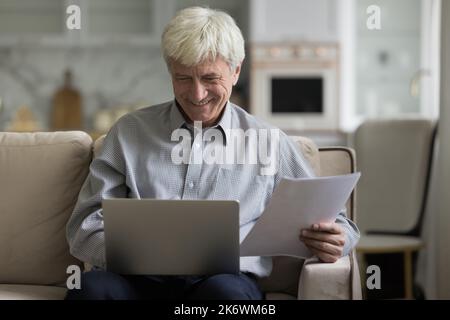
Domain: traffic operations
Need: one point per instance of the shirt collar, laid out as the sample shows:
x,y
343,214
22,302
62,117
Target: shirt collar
x,y
176,118
224,125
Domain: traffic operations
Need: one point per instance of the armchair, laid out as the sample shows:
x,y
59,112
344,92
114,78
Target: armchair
x,y
42,174
293,278
396,156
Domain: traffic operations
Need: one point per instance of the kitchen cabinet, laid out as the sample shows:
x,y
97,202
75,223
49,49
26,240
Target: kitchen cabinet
x,y
293,21
29,21
103,22
137,22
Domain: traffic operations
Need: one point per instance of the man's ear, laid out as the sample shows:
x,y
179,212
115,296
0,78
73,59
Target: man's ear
x,y
236,73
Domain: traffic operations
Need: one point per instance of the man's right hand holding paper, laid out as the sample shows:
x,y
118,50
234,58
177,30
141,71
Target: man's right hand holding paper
x,y
325,240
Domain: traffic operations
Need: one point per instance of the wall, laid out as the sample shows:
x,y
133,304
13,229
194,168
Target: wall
x,y
107,77
443,223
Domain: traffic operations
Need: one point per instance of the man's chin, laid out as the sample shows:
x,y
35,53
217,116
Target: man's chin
x,y
203,117
202,120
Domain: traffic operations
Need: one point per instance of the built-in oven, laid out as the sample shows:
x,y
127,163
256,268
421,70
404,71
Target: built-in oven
x,y
295,86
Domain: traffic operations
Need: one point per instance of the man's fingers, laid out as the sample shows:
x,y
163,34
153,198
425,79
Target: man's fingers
x,y
331,227
324,247
323,256
336,239
325,240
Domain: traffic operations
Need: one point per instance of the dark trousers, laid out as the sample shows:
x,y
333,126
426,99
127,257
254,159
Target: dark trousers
x,y
103,285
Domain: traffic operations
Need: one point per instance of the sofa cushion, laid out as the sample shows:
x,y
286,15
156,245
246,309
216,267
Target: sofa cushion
x,y
98,144
310,152
29,292
41,175
284,277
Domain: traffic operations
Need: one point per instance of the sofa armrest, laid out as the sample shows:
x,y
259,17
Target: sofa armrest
x,y
325,281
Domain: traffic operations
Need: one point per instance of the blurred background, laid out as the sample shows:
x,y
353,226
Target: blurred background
x,y
315,68
349,71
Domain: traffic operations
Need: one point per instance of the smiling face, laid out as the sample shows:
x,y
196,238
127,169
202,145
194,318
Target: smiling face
x,y
204,89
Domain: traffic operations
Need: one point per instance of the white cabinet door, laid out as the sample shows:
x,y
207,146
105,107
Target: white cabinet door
x,y
127,22
24,20
293,20
137,22
392,63
118,17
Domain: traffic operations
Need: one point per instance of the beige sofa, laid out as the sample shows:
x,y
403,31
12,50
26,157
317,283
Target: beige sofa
x,y
41,175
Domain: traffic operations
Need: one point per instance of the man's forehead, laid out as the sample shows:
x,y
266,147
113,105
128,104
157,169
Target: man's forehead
x,y
206,66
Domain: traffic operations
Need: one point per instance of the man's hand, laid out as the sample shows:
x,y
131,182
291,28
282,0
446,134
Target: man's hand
x,y
325,240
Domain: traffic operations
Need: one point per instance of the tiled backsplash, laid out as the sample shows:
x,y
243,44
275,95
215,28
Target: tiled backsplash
x,y
107,78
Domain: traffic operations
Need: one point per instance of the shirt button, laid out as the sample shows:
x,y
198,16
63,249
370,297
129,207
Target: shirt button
x,y
191,184
197,145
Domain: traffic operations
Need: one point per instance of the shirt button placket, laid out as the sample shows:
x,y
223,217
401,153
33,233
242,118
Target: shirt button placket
x,y
193,170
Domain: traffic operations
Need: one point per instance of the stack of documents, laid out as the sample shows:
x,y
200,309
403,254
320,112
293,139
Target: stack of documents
x,y
297,204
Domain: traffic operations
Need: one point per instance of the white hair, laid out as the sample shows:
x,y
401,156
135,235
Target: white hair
x,y
197,34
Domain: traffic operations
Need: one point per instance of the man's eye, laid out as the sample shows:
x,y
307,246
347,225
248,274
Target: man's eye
x,y
211,78
183,79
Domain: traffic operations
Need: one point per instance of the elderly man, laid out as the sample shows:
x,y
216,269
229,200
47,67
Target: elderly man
x,y
204,50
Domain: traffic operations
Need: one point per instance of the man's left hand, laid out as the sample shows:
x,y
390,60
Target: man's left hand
x,y
325,240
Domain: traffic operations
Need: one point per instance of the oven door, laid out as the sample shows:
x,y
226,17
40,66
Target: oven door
x,y
296,97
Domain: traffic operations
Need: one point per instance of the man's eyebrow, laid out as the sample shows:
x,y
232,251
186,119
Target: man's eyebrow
x,y
211,74
181,75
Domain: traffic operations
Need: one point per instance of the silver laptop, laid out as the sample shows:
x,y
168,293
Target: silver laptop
x,y
171,237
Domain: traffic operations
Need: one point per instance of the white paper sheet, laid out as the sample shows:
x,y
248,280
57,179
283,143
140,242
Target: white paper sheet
x,y
297,204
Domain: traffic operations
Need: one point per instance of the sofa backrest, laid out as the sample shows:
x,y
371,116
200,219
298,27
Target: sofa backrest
x,y
41,175
399,177
338,161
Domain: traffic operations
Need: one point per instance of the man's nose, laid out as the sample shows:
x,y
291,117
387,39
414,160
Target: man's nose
x,y
198,92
